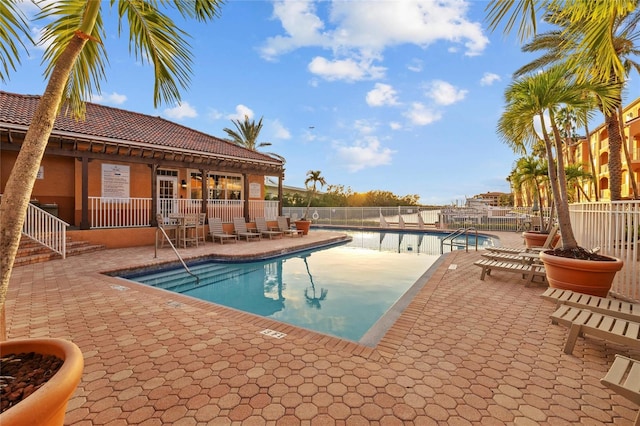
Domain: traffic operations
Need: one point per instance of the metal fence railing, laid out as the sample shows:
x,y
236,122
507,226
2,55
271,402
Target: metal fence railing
x,y
47,229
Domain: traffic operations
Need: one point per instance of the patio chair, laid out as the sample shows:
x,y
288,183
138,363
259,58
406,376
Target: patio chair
x,y
170,229
624,378
261,225
529,271
515,250
283,227
202,227
605,305
188,230
241,230
585,322
217,232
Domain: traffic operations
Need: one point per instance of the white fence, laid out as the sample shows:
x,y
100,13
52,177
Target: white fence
x,y
615,228
136,212
376,217
47,229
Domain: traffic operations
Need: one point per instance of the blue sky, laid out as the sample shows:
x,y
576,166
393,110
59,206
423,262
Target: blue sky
x,y
399,96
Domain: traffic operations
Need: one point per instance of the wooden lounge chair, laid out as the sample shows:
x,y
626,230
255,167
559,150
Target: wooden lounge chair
x,y
261,225
583,321
217,232
515,250
529,271
624,378
605,305
242,231
283,227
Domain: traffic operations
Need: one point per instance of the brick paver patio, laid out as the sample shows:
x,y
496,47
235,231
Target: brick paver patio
x,y
464,351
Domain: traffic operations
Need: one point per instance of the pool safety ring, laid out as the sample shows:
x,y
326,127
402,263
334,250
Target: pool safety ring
x,y
315,215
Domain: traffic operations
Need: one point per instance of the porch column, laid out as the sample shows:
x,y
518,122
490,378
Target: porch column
x,y
154,195
84,220
280,194
205,191
246,196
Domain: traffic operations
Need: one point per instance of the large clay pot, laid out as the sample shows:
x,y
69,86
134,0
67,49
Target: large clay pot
x,y
47,405
584,276
303,225
537,239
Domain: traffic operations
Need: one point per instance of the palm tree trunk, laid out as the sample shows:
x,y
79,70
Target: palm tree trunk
x,y
594,176
615,160
23,175
625,146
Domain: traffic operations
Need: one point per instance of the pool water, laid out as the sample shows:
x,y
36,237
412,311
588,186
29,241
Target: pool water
x,y
342,290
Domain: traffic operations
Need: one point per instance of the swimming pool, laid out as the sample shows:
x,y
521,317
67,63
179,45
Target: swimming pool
x,y
342,290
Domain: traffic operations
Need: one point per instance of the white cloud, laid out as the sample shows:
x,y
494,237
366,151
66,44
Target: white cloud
x,y
113,99
356,29
421,115
364,127
180,111
241,111
279,131
415,65
345,69
365,153
395,125
444,93
382,94
489,78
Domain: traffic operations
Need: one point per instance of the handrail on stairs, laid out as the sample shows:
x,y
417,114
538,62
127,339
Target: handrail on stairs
x,y
450,239
165,236
46,229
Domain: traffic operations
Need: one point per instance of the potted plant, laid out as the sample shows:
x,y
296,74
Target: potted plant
x,y
313,178
46,405
540,96
68,29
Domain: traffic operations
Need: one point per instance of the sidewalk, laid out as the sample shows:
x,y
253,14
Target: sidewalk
x,y
464,351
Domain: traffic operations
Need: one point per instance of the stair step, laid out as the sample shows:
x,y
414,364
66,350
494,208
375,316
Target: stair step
x,y
36,258
31,251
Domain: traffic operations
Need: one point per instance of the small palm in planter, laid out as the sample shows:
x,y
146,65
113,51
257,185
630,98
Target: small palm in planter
x,y
539,96
313,178
75,67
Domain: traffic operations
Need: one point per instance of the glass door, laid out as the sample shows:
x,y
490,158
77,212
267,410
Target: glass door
x,y
167,195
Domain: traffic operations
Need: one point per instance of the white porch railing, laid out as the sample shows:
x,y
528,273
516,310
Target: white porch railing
x,y
46,229
136,212
615,228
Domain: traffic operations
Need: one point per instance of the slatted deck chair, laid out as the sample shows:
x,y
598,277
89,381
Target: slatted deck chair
x,y
170,229
242,231
261,225
217,232
585,322
624,378
605,305
515,250
283,227
528,271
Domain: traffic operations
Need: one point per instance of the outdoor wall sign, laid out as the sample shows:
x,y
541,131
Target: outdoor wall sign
x,y
115,181
254,190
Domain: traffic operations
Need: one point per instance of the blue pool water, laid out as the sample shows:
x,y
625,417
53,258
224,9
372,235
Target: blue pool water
x,y
342,290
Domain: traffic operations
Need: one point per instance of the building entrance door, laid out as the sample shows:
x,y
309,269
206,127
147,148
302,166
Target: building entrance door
x,y
167,195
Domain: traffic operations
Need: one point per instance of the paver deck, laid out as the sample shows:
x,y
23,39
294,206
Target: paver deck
x,y
464,351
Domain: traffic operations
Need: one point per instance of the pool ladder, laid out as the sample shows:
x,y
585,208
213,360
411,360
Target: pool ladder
x,y
166,237
449,239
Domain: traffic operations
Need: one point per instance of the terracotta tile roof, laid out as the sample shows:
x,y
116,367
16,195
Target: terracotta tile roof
x,y
103,122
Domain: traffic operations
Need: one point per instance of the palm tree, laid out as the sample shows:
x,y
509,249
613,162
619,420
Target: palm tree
x,y
540,96
246,133
530,173
75,58
313,178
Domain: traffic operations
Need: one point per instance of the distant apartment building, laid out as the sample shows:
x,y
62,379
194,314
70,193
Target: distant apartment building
x,y
598,143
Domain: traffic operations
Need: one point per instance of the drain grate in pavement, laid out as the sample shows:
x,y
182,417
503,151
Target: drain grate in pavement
x,y
453,266
273,333
174,304
119,287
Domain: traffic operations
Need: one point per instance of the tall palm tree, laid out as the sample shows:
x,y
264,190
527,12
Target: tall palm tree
x,y
566,45
246,133
75,58
531,172
540,96
313,179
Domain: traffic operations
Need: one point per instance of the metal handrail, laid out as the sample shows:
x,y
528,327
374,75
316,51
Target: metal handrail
x,y
458,232
186,268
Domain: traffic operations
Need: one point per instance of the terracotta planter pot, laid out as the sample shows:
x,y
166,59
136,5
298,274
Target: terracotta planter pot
x,y
303,225
584,276
537,239
48,404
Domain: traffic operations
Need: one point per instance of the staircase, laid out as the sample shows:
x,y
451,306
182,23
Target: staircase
x,y
30,251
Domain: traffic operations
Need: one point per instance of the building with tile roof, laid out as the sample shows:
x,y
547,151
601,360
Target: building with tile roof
x,y
119,168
